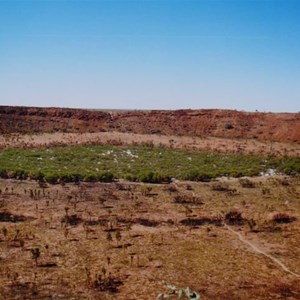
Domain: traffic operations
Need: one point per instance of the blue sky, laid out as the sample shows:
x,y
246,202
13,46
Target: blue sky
x,y
151,54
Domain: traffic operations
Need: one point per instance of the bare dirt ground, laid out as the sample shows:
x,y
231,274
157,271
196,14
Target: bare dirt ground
x,y
223,145
143,236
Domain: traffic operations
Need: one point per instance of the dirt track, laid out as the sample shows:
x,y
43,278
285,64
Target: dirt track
x,y
259,251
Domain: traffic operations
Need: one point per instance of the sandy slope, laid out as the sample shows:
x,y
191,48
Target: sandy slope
x,y
179,142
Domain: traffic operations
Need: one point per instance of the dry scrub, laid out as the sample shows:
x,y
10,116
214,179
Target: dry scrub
x,y
125,241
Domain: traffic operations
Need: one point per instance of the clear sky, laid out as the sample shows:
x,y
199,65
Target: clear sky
x,y
151,54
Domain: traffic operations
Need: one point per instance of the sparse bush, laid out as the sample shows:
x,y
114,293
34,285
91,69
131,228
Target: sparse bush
x,y
252,224
171,188
8,217
106,284
123,187
189,187
3,202
234,218
282,218
246,183
71,220
202,221
266,191
228,126
284,182
221,187
146,222
186,199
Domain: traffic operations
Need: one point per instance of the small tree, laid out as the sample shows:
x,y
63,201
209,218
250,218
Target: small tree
x,y
4,231
118,236
109,237
66,232
251,223
35,252
67,210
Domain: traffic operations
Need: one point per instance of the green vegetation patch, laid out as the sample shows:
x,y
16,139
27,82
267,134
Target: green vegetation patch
x,y
135,163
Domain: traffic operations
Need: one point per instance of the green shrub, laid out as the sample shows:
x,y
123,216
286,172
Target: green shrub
x,y
21,174
106,177
3,173
198,175
130,177
76,177
153,177
90,178
51,178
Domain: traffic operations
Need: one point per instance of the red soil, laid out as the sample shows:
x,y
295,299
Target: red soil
x,y
279,127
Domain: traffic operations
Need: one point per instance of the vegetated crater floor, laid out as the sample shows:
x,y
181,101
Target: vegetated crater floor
x,y
127,240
